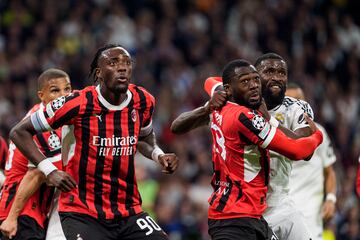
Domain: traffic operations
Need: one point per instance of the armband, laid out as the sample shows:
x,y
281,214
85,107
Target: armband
x,y
46,167
331,197
155,154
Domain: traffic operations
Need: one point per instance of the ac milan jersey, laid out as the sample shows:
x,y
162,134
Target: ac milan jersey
x,y
3,153
106,137
49,143
241,164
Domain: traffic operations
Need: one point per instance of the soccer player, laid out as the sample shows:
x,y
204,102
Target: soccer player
x,y
241,136
99,198
3,157
52,84
281,214
308,179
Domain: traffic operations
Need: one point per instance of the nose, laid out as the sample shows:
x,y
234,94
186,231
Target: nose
x,y
254,83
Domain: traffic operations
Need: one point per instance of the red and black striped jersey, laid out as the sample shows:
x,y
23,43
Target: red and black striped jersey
x,y
3,153
240,162
37,207
106,138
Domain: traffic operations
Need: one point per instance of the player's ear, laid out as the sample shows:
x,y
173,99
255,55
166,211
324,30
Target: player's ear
x,y
227,89
40,95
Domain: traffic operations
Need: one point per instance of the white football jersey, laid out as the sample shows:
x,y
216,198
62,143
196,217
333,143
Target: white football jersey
x,y
290,114
307,182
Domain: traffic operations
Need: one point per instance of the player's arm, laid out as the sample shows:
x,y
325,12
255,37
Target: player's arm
x,y
147,142
56,114
296,149
328,208
190,120
148,147
28,186
198,117
263,133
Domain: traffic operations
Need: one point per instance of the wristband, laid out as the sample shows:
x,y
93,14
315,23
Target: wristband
x,y
46,167
331,197
273,122
155,154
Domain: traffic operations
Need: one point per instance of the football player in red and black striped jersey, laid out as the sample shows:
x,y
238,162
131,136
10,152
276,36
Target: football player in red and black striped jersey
x,y
100,198
32,208
241,137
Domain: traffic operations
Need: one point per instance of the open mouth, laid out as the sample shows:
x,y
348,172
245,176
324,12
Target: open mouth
x,y
254,96
275,87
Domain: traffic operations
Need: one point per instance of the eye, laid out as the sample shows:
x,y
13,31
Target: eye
x,y
112,63
54,90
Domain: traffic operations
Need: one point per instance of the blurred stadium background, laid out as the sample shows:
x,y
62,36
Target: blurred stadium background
x,y
177,44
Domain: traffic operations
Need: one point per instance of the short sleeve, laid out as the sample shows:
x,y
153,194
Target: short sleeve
x,y
326,150
147,111
255,128
57,113
298,120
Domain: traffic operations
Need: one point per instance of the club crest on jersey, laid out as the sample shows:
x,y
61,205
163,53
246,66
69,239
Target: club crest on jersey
x,y
280,117
133,115
58,103
258,122
54,141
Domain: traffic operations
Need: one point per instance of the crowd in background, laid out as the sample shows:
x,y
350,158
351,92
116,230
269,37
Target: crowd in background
x,y
176,45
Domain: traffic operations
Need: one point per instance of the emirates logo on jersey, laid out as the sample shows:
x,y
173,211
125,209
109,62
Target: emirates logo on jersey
x,y
58,103
258,122
133,115
54,141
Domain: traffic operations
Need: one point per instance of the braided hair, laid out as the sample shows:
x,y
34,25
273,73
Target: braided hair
x,y
94,63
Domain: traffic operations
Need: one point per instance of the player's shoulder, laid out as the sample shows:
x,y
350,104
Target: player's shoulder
x,y
236,111
140,93
290,102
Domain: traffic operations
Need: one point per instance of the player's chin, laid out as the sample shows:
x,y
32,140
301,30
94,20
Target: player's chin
x,y
121,88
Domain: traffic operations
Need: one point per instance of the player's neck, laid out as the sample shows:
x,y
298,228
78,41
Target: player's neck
x,y
113,98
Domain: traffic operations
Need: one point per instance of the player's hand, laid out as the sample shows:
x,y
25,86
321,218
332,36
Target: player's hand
x,y
61,180
311,123
169,162
263,109
218,100
328,210
9,227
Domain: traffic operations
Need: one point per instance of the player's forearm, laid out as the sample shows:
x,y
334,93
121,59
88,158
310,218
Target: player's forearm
x,y
295,149
147,145
22,136
28,186
190,120
330,180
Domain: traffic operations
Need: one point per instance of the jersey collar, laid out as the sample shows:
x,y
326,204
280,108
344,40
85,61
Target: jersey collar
x,y
109,105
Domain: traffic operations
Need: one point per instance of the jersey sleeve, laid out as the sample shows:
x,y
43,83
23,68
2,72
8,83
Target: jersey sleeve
x,y
326,150
298,120
295,149
147,111
59,112
255,128
212,84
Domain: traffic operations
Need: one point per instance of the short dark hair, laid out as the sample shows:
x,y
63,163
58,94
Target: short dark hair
x,y
229,69
267,56
94,63
51,73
